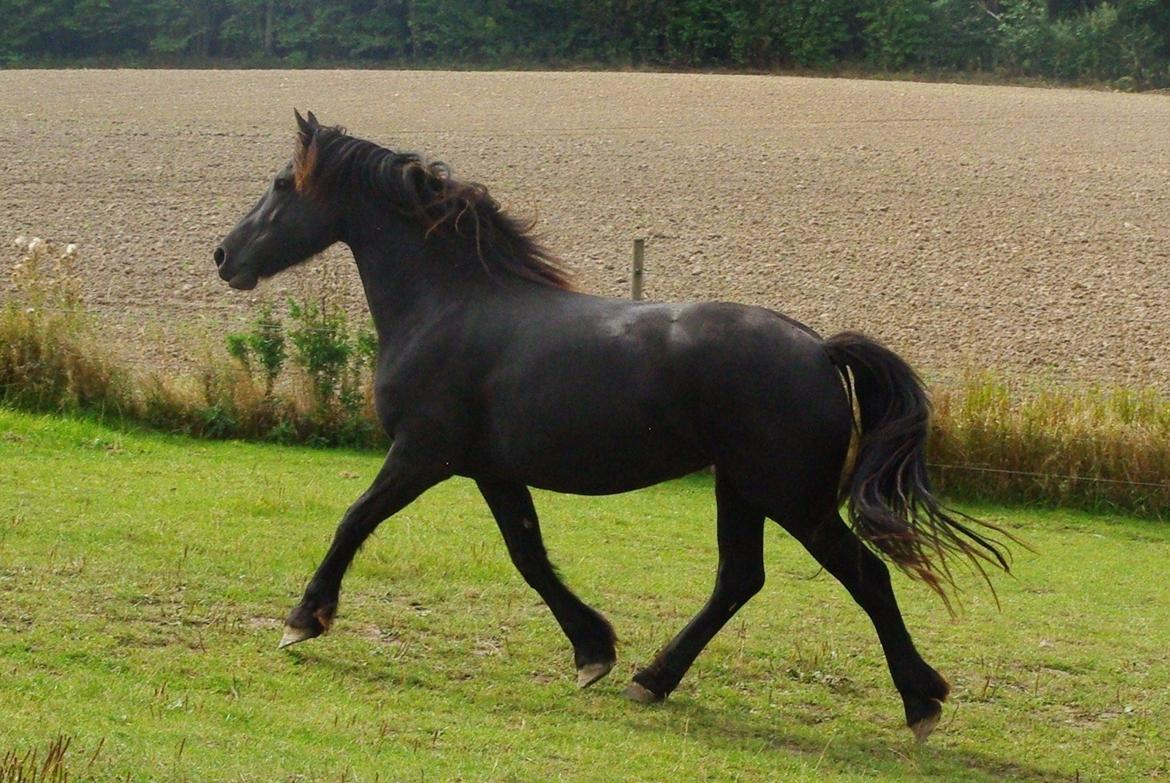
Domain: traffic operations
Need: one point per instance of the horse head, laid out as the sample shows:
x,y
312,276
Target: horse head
x,y
286,226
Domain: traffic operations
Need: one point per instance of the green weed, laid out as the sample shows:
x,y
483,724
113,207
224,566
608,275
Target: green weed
x,y
262,348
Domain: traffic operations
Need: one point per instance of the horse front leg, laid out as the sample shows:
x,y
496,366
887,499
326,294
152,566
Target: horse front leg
x,y
405,475
588,631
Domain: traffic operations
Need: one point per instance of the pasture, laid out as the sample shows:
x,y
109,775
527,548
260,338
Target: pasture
x,y
143,580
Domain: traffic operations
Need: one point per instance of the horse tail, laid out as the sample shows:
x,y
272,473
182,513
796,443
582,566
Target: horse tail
x,y
891,504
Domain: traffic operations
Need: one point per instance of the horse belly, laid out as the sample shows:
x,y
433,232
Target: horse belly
x,y
596,449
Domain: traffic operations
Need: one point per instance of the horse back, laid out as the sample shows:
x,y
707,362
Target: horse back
x,y
600,396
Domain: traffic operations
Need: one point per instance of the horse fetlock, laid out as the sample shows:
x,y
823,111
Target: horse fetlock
x,y
929,684
921,681
594,642
324,616
652,684
939,688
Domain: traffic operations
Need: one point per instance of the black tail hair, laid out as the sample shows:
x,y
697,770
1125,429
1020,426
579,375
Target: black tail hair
x,y
891,504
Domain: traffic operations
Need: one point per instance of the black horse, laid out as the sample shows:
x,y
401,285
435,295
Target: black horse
x,y
490,367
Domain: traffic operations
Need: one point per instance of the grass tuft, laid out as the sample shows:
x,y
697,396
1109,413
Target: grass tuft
x,y
31,767
49,359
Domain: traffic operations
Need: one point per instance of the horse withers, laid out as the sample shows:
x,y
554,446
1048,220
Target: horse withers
x,y
489,366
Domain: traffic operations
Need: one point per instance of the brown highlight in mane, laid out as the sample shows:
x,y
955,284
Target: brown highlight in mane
x,y
427,192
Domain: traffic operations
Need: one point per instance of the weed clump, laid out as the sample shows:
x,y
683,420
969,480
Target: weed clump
x,y
262,349
326,394
307,381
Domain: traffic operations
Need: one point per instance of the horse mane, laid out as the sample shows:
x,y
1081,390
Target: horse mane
x,y
333,161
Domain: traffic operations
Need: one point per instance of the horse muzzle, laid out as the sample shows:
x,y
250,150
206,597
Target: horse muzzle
x,y
237,276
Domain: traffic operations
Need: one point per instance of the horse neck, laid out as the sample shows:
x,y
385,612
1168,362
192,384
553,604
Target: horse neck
x,y
408,277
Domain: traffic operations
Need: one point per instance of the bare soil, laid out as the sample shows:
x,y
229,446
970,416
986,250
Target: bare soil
x,y
1022,230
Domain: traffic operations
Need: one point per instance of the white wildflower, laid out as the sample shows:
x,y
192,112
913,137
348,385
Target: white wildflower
x,y
34,244
21,242
71,249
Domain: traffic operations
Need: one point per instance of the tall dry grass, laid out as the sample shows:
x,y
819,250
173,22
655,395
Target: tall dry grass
x,y
1095,448
32,767
49,358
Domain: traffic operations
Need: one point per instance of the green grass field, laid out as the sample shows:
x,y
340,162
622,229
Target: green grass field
x,y
143,580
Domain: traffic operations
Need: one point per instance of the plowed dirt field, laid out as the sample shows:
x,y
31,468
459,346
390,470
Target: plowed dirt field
x,y
1023,230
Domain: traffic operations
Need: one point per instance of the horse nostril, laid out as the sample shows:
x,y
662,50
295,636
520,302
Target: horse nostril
x,y
220,256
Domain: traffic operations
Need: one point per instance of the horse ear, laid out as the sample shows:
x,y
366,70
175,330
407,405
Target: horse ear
x,y
306,127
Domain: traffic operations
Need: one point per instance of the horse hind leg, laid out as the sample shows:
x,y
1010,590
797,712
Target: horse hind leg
x,y
867,578
591,635
740,575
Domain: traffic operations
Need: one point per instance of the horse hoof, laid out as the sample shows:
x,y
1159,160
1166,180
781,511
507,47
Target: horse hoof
x,y
641,694
294,636
924,727
591,673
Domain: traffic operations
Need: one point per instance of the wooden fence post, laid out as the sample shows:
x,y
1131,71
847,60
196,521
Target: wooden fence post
x,y
636,275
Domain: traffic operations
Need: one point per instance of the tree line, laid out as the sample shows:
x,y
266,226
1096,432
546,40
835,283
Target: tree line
x,y
1124,42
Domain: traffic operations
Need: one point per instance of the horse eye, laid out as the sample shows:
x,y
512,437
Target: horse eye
x,y
283,183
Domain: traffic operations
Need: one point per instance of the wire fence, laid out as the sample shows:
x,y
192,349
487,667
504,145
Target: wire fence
x,y
1049,476
989,469
1039,477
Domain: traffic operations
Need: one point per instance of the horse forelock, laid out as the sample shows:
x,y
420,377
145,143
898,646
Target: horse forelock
x,y
304,164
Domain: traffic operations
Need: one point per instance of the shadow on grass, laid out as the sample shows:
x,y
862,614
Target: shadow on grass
x,y
722,729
